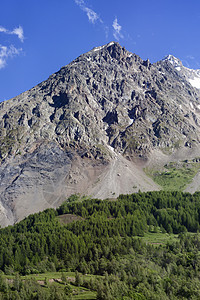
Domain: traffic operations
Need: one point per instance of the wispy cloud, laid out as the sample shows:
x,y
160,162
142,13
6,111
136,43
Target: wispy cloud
x,y
6,53
10,51
16,31
19,32
190,59
2,29
93,17
117,30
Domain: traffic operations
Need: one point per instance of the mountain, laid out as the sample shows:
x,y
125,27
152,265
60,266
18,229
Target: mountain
x,y
192,76
99,126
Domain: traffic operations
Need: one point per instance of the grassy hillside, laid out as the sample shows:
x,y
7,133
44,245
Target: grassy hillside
x,y
175,176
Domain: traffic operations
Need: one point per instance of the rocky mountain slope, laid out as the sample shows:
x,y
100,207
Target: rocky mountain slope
x,y
192,76
92,128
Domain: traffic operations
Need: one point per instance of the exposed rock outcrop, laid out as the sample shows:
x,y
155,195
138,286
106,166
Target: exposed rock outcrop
x,y
106,113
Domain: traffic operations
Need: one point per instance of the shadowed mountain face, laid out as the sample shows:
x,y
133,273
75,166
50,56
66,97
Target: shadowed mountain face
x,y
91,128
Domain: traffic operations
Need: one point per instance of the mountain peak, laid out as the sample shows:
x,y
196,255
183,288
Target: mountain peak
x,y
174,61
92,127
111,44
111,53
114,49
190,75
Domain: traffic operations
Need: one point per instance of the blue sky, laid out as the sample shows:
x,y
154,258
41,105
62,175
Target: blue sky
x,y
38,37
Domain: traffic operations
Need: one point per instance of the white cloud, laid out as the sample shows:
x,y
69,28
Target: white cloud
x,y
6,53
91,14
190,56
117,30
3,51
79,2
17,31
10,51
2,29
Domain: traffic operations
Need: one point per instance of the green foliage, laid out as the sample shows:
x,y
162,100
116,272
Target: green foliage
x,y
139,244
175,177
78,279
68,289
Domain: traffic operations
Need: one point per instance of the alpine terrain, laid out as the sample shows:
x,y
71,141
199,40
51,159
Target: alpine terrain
x,y
106,124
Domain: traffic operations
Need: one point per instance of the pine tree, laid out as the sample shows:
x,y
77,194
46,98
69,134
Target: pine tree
x,y
78,279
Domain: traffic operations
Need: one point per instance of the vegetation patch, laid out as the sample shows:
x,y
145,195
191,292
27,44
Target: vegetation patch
x,y
49,285
69,218
175,176
8,142
159,238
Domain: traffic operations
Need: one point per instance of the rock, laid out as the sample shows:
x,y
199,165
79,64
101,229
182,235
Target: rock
x,y
106,113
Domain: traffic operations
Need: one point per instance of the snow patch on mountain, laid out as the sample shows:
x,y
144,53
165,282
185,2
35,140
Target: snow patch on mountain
x,y
102,47
192,76
195,82
173,60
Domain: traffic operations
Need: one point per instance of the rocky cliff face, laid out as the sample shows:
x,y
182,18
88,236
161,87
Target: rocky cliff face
x,y
192,76
91,128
